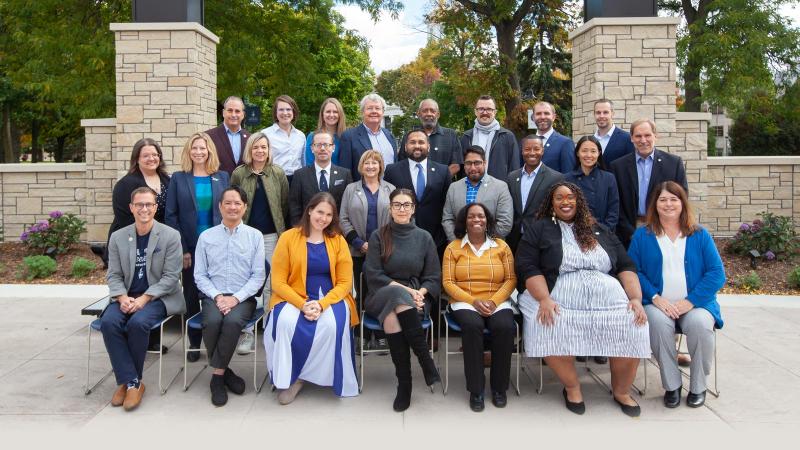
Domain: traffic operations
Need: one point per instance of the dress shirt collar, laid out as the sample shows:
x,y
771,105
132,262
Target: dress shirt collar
x,y
546,135
319,169
228,130
607,135
487,244
413,164
374,133
650,156
233,230
534,172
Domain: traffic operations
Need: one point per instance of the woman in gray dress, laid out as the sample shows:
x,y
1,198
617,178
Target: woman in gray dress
x,y
581,296
404,277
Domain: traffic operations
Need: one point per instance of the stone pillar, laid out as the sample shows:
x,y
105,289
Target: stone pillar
x,y
632,62
101,173
166,86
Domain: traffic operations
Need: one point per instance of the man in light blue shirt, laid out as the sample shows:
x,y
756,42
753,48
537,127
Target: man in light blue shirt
x,y
229,271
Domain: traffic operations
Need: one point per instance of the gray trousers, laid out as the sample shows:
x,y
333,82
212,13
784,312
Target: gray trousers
x,y
698,326
221,333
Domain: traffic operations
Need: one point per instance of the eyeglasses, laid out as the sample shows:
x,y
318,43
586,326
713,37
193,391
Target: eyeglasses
x,y
477,163
485,110
141,206
404,206
322,145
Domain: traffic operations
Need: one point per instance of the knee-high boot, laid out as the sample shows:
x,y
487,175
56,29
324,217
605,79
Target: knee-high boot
x,y
415,336
401,357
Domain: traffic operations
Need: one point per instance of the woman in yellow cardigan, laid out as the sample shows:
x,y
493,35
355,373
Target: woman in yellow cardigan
x,y
311,306
478,275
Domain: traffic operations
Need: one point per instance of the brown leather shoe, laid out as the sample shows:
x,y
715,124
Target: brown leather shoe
x,y
133,397
119,395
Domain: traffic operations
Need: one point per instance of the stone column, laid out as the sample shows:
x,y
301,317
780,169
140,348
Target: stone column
x,y
166,85
632,62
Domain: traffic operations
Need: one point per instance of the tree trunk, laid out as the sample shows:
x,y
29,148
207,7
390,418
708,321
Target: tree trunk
x,y
695,22
36,151
6,139
59,151
506,45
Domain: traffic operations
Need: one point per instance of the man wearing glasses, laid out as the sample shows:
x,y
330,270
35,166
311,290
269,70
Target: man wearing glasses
x,y
500,145
480,187
230,138
322,176
145,260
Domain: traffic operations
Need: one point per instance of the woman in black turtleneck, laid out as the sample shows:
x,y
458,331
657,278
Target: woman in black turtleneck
x,y
403,275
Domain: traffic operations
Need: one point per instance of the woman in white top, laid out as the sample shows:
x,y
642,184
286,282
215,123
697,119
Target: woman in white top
x,y
680,272
287,143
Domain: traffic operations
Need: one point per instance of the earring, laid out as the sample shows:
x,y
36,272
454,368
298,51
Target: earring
x,y
554,218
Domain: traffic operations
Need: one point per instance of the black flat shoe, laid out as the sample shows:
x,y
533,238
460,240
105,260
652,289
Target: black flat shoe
x,y
672,399
578,408
696,400
476,402
499,399
581,358
601,359
628,410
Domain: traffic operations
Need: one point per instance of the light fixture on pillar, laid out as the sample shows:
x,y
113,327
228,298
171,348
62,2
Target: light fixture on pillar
x,y
619,8
168,11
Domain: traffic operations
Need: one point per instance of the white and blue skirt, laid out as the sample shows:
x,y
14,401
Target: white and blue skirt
x,y
319,352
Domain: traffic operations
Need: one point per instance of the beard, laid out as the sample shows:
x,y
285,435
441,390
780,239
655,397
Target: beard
x,y
421,157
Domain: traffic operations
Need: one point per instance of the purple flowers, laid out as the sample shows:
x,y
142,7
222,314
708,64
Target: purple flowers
x,y
769,255
24,236
744,227
56,214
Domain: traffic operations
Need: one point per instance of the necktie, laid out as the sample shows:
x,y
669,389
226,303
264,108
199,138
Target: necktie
x,y
420,181
644,181
323,183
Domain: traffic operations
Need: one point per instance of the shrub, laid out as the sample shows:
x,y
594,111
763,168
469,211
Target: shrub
x,y
794,278
38,266
82,267
773,237
55,235
750,282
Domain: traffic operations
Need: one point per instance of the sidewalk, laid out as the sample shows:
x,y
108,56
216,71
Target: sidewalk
x,y
43,370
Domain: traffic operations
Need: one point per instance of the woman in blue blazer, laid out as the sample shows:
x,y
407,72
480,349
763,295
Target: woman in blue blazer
x,y
192,207
680,272
598,185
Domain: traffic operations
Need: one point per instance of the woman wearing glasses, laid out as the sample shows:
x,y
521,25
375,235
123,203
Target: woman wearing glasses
x,y
194,194
403,275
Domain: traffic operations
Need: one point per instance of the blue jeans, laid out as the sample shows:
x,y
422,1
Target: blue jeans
x,y
126,337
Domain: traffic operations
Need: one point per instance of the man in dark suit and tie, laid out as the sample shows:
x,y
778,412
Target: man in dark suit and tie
x,y
230,138
322,176
638,172
529,187
559,151
615,141
368,135
428,179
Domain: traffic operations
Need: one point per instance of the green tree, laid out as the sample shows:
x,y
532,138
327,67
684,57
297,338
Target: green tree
x,y
730,48
768,125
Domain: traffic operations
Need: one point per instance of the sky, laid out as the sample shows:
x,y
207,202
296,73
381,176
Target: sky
x,y
396,42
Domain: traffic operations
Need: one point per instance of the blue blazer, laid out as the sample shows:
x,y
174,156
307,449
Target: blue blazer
x,y
181,211
600,190
308,156
354,142
705,274
619,145
559,153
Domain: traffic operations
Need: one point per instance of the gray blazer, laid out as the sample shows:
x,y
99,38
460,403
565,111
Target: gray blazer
x,y
493,193
164,265
353,216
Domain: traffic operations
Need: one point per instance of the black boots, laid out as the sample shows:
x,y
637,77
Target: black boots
x,y
415,336
401,357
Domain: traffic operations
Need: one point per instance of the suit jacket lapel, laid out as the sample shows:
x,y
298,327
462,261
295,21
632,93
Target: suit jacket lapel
x,y
131,256
189,180
633,179
657,162
362,136
152,244
429,180
534,187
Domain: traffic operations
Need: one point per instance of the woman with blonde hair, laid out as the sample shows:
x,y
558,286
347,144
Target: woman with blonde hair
x,y
331,119
192,200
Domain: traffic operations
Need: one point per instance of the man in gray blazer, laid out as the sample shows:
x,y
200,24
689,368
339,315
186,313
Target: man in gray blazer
x,y
529,186
144,267
478,187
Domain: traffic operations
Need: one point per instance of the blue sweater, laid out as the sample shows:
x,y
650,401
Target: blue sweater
x,y
705,274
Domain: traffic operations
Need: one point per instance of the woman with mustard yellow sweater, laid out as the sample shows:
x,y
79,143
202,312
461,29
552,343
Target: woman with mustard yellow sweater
x,y
311,306
478,275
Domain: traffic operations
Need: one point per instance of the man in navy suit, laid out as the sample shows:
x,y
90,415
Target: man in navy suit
x,y
318,177
638,172
615,141
428,179
230,138
368,135
559,151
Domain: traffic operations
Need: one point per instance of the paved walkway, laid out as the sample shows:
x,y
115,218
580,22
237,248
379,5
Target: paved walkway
x,y
43,370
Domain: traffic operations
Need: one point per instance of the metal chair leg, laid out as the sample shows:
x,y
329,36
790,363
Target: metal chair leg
x,y
88,390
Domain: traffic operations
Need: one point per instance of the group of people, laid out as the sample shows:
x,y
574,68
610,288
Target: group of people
x,y
607,264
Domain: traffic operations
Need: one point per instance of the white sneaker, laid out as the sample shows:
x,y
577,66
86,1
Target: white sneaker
x,y
247,344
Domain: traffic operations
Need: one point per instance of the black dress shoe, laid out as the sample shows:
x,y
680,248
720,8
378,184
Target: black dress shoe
x,y
233,382
581,358
601,359
499,399
672,399
219,395
628,410
154,348
476,402
696,400
193,356
576,407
